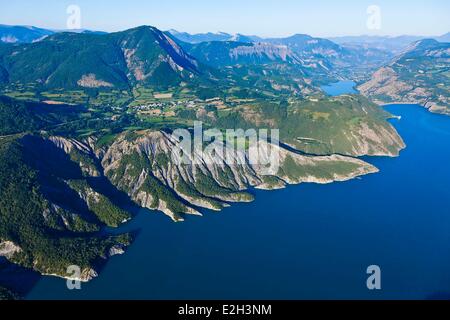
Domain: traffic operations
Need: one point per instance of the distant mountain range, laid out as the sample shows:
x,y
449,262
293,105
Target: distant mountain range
x,y
26,34
352,57
22,34
29,34
207,37
149,57
323,58
363,39
392,44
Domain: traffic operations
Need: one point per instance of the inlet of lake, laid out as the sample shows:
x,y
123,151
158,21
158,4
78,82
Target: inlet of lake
x,y
307,241
340,87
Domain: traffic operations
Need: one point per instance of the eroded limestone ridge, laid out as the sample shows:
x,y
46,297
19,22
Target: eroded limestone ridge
x,y
64,191
142,166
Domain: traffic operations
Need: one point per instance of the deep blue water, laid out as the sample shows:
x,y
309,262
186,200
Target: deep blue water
x,y
304,242
341,87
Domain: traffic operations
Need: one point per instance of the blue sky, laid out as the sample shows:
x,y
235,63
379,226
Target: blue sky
x,y
260,17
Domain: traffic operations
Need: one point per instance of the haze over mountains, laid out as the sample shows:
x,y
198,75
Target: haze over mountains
x,y
392,44
22,34
223,36
210,36
28,34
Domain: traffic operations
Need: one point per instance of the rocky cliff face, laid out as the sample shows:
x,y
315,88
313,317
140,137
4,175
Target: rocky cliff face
x,y
144,166
231,53
8,249
265,52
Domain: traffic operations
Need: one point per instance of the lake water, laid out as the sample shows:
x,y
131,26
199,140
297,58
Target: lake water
x,y
341,87
304,242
